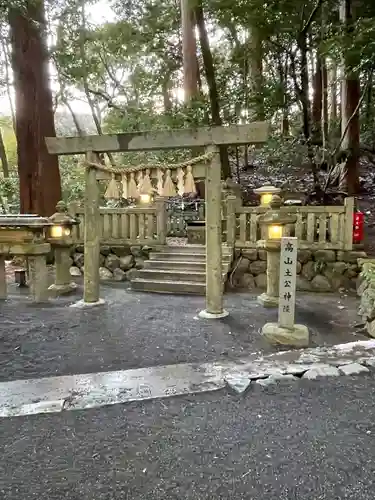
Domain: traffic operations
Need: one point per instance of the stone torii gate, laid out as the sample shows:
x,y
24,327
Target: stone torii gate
x,y
209,138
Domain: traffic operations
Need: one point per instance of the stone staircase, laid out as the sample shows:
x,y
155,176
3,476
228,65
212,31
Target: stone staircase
x,y
178,269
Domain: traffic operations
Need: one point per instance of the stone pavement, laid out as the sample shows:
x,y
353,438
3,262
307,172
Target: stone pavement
x,y
302,440
75,392
247,422
135,330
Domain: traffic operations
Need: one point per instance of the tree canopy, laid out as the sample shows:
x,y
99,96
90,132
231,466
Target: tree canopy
x,y
159,64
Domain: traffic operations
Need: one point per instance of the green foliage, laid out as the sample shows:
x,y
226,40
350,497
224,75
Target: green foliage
x,y
131,68
368,273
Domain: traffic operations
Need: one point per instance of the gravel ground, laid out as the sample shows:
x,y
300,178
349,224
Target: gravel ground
x,y
305,441
135,330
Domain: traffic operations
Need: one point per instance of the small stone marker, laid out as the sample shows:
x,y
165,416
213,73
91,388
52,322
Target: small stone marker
x,y
285,332
287,284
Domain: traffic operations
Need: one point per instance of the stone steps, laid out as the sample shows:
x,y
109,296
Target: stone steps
x,y
178,270
163,286
173,275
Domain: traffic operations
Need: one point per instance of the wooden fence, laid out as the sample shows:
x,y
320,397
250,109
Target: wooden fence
x,y
132,225
317,227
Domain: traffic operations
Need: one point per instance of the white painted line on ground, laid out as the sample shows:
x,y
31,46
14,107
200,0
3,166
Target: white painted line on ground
x,y
74,392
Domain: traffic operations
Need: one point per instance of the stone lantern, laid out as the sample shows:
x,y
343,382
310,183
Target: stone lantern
x,y
266,193
60,238
275,224
26,235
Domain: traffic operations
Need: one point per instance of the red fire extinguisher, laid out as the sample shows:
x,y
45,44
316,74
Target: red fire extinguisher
x,y
358,227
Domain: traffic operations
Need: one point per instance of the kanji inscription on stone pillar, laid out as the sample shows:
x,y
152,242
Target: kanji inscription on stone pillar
x,y
287,284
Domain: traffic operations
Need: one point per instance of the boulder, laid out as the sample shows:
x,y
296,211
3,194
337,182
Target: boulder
x,y
334,272
325,255
321,284
304,256
250,253
262,254
338,281
351,256
79,259
132,273
105,250
302,284
75,271
146,250
139,263
121,251
105,274
338,267
352,271
241,266
308,270
119,275
247,281
261,281
136,251
112,262
258,267
126,262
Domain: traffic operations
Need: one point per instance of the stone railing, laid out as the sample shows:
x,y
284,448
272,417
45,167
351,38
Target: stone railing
x,y
126,226
317,227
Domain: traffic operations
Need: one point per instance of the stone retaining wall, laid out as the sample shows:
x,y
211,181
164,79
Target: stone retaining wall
x,y
318,271
366,291
116,263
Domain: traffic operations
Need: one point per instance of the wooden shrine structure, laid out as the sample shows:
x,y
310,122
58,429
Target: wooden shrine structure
x,y
146,179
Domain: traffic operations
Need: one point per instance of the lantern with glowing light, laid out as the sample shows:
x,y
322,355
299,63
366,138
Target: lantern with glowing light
x,y
266,193
275,223
60,237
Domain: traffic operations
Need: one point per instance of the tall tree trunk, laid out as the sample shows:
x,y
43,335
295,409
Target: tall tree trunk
x,y
349,101
189,51
282,70
325,119
324,73
256,74
39,176
8,85
369,113
305,102
95,113
211,82
3,156
166,90
316,130
77,125
333,96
